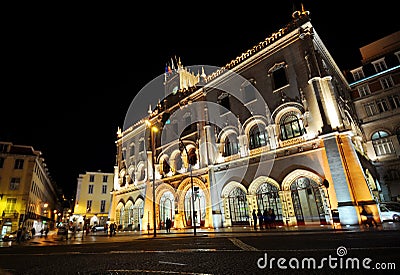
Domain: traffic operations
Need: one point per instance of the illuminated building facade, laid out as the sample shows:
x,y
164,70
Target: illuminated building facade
x,y
92,202
28,196
375,91
274,128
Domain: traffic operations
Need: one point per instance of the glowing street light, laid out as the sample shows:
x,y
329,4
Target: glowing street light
x,y
153,129
191,160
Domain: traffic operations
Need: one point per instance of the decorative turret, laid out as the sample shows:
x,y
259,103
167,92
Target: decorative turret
x,y
179,78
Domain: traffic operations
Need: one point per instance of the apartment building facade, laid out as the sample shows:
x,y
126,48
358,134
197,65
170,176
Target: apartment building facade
x,y
375,91
28,196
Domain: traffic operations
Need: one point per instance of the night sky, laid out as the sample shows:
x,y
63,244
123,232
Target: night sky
x,y
70,73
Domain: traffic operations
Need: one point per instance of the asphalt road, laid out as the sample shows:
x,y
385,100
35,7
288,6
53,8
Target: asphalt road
x,y
230,253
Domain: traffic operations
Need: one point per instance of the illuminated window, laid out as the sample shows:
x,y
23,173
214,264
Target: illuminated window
x,y
231,145
89,206
358,74
291,126
257,136
363,90
10,206
379,65
238,207
382,143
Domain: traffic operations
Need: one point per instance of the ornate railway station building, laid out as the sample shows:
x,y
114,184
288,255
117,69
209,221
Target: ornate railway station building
x,y
273,128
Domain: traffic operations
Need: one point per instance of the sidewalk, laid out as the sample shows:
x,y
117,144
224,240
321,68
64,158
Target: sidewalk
x,y
124,236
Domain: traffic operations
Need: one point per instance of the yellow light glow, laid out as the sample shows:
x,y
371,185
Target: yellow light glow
x,y
45,205
154,129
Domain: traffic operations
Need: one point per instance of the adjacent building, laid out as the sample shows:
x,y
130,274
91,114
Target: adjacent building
x,y
272,129
28,196
92,202
375,91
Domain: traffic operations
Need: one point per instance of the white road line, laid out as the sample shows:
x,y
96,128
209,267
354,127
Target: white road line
x,y
242,245
141,271
161,262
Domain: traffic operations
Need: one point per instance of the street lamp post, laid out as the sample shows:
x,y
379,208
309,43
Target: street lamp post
x,y
191,186
153,129
154,179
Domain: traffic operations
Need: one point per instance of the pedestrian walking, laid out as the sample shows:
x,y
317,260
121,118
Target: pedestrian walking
x,y
267,219
168,223
369,218
254,214
115,229
272,216
260,218
111,229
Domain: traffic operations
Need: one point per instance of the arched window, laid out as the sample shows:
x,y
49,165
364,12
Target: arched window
x,y
291,126
307,201
167,206
382,143
268,197
257,136
231,145
238,206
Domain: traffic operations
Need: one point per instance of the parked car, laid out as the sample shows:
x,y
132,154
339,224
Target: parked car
x,y
10,236
390,211
97,228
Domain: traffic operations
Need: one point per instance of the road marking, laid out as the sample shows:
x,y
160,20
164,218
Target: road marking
x,y
242,245
161,262
141,271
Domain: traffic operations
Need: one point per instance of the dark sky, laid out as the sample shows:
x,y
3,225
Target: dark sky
x,y
70,73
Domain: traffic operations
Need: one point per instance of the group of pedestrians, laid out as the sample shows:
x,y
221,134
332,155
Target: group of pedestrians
x,y
266,219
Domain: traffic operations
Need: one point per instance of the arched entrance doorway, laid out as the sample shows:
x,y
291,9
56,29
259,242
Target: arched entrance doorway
x,y
238,207
199,206
307,201
128,216
138,210
120,213
167,208
268,197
